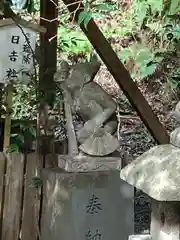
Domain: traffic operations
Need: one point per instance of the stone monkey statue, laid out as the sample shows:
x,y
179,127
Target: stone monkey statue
x,y
92,104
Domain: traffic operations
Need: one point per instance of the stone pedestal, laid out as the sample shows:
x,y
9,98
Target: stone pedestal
x,y
156,173
93,204
165,220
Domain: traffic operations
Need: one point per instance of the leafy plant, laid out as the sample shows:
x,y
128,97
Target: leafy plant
x,y
93,11
72,42
25,130
146,61
25,102
36,182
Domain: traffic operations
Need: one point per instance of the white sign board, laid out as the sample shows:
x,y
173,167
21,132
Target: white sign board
x,y
16,54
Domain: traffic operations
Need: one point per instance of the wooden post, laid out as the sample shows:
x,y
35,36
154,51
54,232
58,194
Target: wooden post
x,y
48,48
1,86
13,196
48,60
7,125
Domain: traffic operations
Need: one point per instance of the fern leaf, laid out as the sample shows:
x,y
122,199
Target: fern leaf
x,y
155,27
140,11
125,54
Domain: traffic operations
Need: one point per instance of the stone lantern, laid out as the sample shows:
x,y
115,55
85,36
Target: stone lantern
x,y
157,173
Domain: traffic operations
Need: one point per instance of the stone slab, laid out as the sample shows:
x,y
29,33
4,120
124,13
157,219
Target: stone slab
x,y
84,163
86,206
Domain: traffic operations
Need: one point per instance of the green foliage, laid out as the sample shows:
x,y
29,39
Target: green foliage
x,y
144,59
174,7
36,182
95,11
25,102
27,130
151,29
84,17
72,42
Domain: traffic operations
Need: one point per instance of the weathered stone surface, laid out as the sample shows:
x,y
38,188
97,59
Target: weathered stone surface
x,y
91,205
175,137
156,172
165,222
140,237
86,163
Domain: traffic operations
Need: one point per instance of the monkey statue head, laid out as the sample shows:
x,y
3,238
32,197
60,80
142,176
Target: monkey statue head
x,y
76,76
62,73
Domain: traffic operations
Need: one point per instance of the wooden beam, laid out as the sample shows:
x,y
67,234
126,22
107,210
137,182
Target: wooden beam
x,y
7,125
121,75
48,47
48,62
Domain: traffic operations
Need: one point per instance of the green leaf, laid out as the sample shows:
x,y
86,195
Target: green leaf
x,y
156,5
146,71
155,27
140,11
20,138
97,15
77,39
32,130
125,54
36,182
86,4
13,135
87,19
174,7
74,42
84,17
13,148
104,7
81,17
144,56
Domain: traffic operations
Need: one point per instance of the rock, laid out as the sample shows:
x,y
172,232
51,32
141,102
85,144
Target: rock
x,y
175,137
156,172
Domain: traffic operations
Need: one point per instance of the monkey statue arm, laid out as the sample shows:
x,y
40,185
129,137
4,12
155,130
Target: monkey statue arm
x,y
60,79
92,125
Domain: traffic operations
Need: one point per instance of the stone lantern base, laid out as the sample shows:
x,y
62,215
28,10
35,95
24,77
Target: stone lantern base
x,y
165,220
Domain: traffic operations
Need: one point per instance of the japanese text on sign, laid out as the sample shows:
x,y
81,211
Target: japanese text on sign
x,y
94,206
16,55
94,235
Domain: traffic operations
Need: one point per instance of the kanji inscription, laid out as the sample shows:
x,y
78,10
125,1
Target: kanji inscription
x,y
16,55
94,235
94,206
